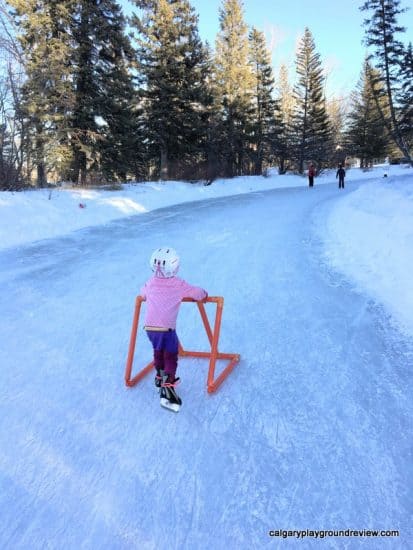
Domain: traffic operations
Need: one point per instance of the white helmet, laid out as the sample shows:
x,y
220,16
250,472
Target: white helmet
x,y
164,262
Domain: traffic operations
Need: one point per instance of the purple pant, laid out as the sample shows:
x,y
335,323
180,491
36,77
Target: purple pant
x,y
165,350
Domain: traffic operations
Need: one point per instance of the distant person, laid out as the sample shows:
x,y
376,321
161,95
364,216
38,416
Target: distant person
x,y
341,174
311,174
163,293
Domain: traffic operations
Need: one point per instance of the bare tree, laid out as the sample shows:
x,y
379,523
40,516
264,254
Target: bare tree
x,y
8,40
13,143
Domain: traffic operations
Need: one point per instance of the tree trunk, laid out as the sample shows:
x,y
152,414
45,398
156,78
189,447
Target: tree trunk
x,y
41,180
41,175
78,169
164,164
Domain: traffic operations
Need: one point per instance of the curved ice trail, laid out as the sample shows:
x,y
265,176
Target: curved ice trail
x,y
311,431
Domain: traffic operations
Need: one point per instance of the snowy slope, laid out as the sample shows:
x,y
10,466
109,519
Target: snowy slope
x,y
368,237
311,430
41,214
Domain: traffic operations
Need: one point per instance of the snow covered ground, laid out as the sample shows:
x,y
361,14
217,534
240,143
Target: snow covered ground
x,y
367,235
312,430
40,214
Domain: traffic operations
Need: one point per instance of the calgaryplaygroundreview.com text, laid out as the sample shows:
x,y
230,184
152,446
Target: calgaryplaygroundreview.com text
x,y
322,534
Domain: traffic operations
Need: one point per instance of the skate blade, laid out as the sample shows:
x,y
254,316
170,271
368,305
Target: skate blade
x,y
170,406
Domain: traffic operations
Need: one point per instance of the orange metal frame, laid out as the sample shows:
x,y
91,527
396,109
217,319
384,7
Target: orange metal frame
x,y
213,355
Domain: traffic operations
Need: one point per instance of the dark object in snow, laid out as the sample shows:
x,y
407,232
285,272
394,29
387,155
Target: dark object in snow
x,y
341,174
311,174
82,205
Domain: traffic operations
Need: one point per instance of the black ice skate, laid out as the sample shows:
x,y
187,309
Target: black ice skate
x,y
158,378
169,398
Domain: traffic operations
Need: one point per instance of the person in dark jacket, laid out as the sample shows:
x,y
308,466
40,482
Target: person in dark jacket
x,y
341,174
311,174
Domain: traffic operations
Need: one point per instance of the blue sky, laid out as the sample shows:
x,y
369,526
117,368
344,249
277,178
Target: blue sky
x,y
336,27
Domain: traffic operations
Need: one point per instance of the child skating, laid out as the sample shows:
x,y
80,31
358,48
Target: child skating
x,y
163,293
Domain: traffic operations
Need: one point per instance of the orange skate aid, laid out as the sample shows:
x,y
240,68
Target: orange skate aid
x,y
213,337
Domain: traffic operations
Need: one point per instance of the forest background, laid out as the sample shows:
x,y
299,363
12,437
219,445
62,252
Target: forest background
x,y
93,92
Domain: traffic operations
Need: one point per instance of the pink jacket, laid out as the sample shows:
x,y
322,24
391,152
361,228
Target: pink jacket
x,y
163,297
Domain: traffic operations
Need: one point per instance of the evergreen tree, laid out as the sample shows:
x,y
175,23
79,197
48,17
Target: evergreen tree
x,y
234,81
76,60
336,115
173,69
103,126
47,94
286,104
406,97
213,122
264,127
365,138
311,132
381,30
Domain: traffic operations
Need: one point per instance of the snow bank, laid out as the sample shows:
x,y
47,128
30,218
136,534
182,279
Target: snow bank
x,y
369,239
39,214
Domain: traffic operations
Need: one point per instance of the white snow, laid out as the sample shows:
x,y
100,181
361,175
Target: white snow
x,y
369,238
368,234
312,430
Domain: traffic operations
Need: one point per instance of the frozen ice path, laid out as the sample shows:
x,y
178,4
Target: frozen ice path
x,y
313,429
